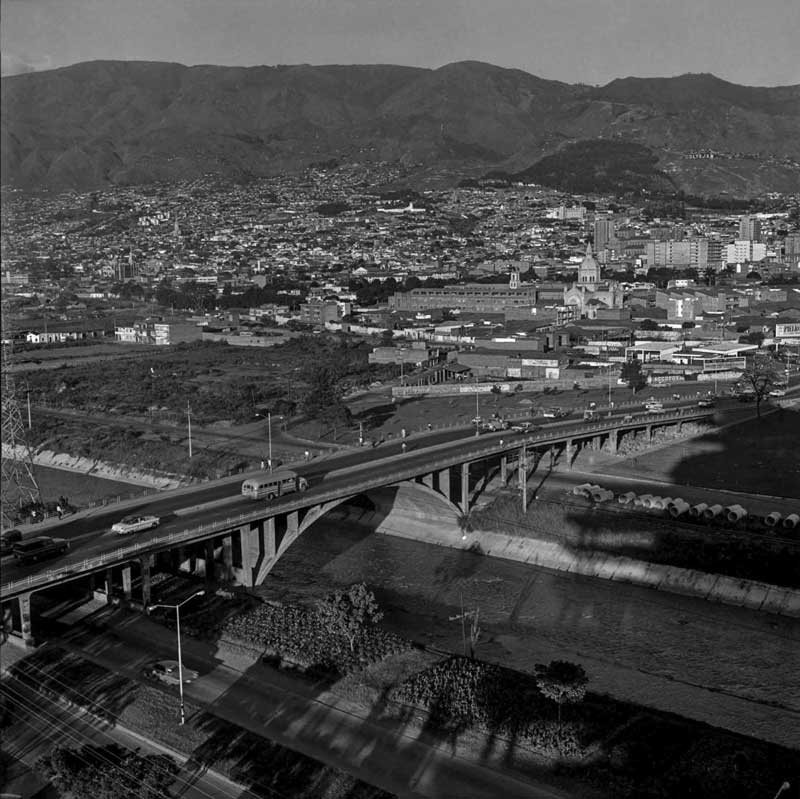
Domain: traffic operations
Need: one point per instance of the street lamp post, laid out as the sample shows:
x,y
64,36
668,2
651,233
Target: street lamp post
x,y
177,609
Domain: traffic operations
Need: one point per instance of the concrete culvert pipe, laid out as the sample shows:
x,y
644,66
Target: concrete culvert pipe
x,y
735,513
582,490
651,502
773,519
712,511
698,510
791,521
642,500
662,503
601,494
627,498
678,508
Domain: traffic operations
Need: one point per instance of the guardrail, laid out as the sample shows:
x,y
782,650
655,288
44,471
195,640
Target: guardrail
x,y
320,497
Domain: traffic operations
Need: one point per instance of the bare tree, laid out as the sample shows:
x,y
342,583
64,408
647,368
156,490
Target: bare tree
x,y
349,613
761,375
562,682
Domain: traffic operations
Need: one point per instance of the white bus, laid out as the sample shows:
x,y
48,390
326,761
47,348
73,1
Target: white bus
x,y
273,485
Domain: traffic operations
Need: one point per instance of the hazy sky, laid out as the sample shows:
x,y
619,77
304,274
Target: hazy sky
x,y
590,41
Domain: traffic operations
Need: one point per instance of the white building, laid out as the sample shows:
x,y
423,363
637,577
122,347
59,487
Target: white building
x,y
745,250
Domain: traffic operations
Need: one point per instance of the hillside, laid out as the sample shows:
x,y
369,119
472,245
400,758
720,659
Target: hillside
x,y
114,122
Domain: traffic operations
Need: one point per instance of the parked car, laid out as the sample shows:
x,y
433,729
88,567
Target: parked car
x,y
39,548
8,538
166,671
135,524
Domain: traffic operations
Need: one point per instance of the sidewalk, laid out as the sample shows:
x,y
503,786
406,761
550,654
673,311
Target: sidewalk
x,y
47,724
396,755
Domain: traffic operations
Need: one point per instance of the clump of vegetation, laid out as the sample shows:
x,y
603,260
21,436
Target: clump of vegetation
x,y
338,636
108,772
460,693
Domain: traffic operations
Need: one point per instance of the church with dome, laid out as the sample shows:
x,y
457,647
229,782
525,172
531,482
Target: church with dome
x,y
591,293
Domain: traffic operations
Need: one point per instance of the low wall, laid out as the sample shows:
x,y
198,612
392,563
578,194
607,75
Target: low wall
x,y
552,555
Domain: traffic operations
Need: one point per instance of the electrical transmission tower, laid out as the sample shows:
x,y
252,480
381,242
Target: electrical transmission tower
x,y
19,486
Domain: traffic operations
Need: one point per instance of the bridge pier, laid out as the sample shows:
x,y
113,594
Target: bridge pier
x,y
569,453
227,557
427,480
465,488
209,561
444,483
503,469
259,546
126,582
613,441
25,620
146,565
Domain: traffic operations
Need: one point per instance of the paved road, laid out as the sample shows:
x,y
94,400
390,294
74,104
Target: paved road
x,y
89,533
40,724
392,754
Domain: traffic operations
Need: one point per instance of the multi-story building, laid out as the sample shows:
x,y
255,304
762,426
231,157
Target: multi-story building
x,y
158,332
750,228
744,251
691,252
791,248
476,297
604,233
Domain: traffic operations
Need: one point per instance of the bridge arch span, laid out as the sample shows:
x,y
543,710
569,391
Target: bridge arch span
x,y
397,507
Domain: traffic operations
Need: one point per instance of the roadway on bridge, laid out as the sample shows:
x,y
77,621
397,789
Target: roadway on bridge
x,y
215,503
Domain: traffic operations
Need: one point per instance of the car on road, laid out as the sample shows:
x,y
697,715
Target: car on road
x,y
524,427
778,392
135,524
707,402
39,548
8,538
554,413
166,671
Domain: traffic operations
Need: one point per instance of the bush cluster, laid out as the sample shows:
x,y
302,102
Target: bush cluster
x,y
459,693
298,637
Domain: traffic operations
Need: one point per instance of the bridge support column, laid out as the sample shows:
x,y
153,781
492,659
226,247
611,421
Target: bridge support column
x,y
649,432
503,469
109,584
569,453
209,561
227,556
444,483
292,526
427,480
25,620
613,441
126,582
465,488
146,563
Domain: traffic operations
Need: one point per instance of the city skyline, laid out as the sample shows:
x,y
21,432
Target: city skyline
x,y
591,43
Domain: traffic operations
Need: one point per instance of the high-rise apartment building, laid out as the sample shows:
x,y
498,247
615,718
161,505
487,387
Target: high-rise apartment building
x,y
676,254
744,250
791,248
604,233
749,228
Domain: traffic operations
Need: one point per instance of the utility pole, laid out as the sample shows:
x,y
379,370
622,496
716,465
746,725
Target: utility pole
x,y
28,397
189,420
523,477
269,433
477,409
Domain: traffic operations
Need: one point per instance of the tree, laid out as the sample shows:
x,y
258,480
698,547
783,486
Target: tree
x,y
761,375
562,682
648,324
632,373
350,613
108,772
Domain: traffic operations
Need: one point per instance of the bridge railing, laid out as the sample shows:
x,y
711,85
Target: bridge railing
x,y
487,447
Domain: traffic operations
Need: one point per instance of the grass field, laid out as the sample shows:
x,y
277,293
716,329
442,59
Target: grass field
x,y
759,456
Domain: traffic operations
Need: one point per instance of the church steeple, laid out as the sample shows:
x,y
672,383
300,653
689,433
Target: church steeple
x,y
589,271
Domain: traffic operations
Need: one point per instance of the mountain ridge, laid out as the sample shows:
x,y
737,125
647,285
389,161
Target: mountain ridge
x,y
103,123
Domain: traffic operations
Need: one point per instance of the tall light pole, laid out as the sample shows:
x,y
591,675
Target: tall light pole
x,y
477,409
177,609
269,433
189,421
